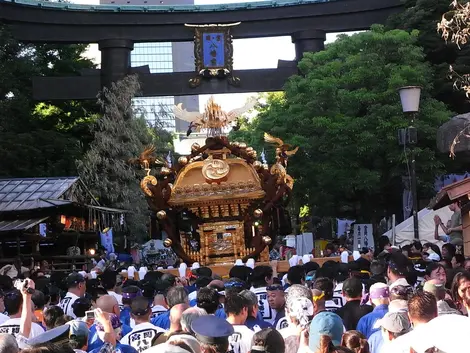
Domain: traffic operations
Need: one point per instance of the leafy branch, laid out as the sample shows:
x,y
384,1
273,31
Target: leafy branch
x,y
455,27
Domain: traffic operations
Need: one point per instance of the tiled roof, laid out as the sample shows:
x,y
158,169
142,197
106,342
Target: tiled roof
x,y
33,193
20,224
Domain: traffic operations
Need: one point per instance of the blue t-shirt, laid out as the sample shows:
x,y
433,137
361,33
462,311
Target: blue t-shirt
x,y
191,289
162,320
252,322
125,316
221,313
376,342
366,323
94,340
120,348
193,302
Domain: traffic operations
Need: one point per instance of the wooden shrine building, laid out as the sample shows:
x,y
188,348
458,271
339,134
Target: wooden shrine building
x,y
44,217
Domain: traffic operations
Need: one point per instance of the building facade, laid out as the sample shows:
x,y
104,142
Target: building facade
x,y
163,57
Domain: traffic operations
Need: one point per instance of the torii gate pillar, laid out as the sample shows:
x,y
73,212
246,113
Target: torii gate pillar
x,y
115,60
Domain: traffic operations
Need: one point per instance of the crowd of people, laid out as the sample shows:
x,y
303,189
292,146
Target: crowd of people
x,y
400,301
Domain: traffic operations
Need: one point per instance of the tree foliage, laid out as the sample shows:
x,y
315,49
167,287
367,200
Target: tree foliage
x,y
344,111
424,15
40,138
118,136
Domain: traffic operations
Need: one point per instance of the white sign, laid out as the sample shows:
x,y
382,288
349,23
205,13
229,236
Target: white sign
x,y
363,236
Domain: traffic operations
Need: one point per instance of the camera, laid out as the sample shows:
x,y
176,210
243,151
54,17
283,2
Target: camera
x,y
21,284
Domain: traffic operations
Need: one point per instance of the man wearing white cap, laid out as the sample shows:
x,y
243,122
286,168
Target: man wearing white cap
x,y
392,325
422,308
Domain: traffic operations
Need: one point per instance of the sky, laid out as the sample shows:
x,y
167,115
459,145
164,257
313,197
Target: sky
x,y
256,53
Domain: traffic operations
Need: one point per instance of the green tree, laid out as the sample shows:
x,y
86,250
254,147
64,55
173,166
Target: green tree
x,y
344,111
40,138
118,137
423,15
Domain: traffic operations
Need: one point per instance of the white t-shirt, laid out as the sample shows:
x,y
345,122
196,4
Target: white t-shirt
x,y
240,341
117,296
338,297
332,305
12,326
142,336
3,318
403,343
265,310
282,323
67,303
345,257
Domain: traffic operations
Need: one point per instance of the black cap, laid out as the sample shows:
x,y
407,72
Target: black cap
x,y
202,272
73,279
352,287
203,281
140,306
83,303
211,329
311,266
56,335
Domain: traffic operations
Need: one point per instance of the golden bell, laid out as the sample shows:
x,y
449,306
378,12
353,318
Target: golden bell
x,y
249,149
257,165
267,240
195,146
183,160
242,145
258,213
167,242
161,215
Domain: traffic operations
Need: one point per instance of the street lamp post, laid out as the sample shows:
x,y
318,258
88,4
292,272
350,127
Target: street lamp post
x,y
409,97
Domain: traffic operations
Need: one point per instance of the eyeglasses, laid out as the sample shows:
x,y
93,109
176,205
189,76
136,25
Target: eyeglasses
x,y
275,287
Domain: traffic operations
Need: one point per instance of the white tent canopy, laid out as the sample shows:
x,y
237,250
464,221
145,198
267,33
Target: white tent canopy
x,y
404,233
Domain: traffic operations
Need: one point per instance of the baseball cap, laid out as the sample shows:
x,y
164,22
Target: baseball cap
x,y
78,329
140,306
433,288
211,329
73,279
56,335
352,286
202,281
396,322
398,306
379,291
202,272
325,323
82,304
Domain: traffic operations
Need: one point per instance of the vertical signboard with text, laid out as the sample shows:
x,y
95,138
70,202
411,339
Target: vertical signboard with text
x,y
363,236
